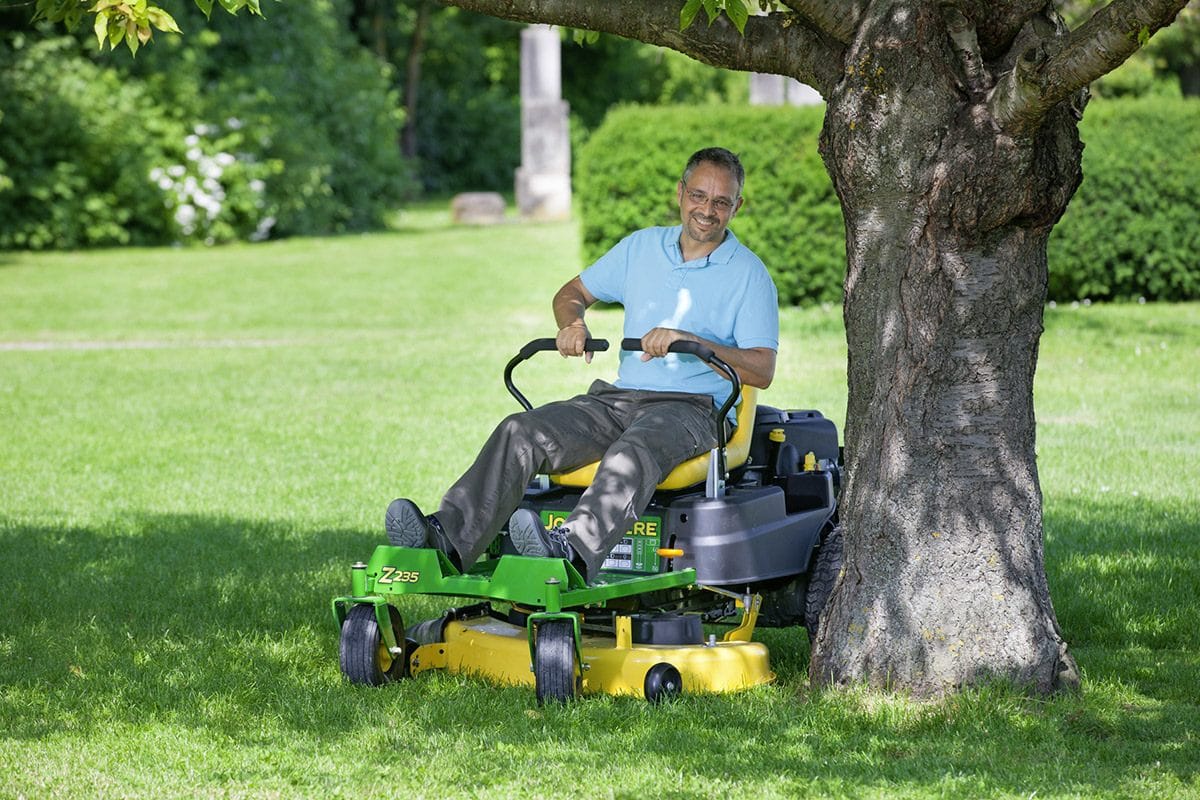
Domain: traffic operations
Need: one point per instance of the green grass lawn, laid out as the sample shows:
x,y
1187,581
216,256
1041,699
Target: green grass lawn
x,y
197,443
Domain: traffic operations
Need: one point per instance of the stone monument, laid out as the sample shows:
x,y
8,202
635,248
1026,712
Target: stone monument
x,y
543,181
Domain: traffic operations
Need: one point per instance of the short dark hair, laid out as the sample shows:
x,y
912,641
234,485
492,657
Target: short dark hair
x,y
722,158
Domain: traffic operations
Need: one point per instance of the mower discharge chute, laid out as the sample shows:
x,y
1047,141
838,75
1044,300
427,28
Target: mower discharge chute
x,y
741,536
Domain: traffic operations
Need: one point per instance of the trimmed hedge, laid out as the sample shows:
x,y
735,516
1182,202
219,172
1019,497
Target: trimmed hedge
x,y
1131,231
1133,228
627,170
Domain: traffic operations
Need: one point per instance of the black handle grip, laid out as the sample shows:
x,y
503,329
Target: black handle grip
x,y
543,345
702,352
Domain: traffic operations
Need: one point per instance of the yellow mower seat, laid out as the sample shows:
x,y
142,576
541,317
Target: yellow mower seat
x,y
695,469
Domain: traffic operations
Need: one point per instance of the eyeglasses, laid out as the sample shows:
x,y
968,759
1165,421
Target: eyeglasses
x,y
723,205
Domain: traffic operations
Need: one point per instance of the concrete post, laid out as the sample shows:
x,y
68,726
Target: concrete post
x,y
777,90
543,181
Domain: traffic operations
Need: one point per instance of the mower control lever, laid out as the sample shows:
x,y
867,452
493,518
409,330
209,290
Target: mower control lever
x,y
541,346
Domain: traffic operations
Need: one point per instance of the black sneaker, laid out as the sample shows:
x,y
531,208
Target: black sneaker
x,y
531,538
406,526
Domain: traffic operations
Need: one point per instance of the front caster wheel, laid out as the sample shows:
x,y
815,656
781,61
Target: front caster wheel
x,y
663,682
555,665
364,657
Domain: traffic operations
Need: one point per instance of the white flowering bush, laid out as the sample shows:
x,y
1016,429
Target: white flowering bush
x,y
219,192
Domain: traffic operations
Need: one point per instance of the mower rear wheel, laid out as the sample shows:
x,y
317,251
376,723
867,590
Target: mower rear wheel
x,y
364,657
555,664
824,575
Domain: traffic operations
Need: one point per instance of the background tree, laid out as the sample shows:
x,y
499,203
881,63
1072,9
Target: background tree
x,y
459,74
951,138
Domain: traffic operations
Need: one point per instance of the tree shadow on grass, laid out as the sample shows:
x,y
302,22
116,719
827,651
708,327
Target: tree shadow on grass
x,y
201,620
224,624
1125,575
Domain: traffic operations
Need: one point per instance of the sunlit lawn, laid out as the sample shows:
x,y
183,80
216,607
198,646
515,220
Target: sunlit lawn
x,y
197,443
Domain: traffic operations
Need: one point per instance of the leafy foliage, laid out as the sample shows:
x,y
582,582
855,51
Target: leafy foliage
x,y
78,150
238,131
308,98
1131,229
468,118
738,11
469,112
628,170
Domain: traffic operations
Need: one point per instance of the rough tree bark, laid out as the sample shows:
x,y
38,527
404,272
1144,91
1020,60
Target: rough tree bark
x,y
951,137
946,247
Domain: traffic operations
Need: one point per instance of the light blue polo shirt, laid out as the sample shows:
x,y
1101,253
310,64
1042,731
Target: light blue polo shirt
x,y
727,297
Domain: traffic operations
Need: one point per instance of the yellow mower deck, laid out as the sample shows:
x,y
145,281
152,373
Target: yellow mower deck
x,y
499,651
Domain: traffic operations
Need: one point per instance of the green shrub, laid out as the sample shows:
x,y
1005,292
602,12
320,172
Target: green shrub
x,y
1132,229
216,190
306,103
242,128
78,144
627,172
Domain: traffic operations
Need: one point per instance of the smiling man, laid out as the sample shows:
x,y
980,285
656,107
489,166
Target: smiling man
x,y
694,281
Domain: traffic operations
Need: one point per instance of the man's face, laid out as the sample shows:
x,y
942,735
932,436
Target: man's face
x,y
707,202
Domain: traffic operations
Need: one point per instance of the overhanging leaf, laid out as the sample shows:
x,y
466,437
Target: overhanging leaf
x,y
101,28
131,36
162,20
688,15
738,14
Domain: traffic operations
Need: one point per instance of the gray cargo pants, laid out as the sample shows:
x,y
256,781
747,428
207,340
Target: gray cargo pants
x,y
637,436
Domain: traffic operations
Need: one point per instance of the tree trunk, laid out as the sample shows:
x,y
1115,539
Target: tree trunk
x,y
1189,80
947,221
412,79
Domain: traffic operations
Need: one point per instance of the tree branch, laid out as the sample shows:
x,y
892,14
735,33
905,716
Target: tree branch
x,y
778,43
1049,70
997,22
838,20
965,39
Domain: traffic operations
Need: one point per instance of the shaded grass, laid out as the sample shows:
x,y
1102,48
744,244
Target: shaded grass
x,y
206,439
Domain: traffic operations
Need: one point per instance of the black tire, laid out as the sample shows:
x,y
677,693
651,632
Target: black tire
x,y
784,607
555,665
822,578
364,658
663,683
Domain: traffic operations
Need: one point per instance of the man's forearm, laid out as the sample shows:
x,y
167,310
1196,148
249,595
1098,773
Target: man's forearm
x,y
570,304
755,365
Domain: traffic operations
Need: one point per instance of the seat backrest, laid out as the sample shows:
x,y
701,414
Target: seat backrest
x,y
695,469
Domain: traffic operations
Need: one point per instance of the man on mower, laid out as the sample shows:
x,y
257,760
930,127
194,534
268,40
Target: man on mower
x,y
694,281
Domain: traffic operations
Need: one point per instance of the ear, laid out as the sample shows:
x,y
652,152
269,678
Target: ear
x,y
679,194
737,207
